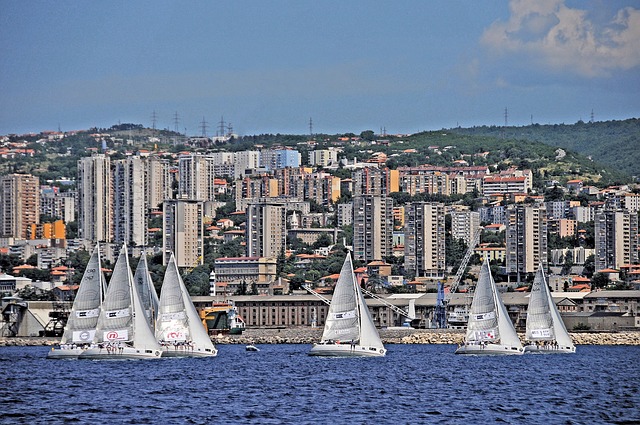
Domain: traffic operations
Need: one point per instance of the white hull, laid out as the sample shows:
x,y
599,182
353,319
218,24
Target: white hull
x,y
490,349
548,349
172,352
127,353
346,350
57,353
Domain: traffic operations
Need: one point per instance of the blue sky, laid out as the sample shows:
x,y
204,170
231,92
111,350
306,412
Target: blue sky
x,y
269,66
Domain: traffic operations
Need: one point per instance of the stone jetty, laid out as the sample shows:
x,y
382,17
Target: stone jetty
x,y
306,335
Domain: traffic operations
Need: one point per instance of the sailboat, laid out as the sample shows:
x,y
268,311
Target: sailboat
x,y
489,329
349,329
81,325
147,291
179,327
122,331
546,332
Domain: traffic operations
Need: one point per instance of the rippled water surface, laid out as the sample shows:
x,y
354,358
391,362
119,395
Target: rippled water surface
x,y
413,384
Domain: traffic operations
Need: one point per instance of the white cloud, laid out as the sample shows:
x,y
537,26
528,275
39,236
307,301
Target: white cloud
x,y
554,35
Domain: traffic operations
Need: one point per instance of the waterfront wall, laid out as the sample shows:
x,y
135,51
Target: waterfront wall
x,y
306,335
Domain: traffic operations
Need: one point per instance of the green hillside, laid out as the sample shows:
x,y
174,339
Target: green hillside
x,y
615,144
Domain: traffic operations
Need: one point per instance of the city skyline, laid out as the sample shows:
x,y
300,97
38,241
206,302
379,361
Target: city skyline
x,y
271,67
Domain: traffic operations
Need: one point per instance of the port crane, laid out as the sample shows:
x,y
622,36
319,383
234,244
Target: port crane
x,y
442,300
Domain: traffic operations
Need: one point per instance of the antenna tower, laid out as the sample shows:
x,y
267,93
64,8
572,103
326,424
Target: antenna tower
x,y
176,122
506,117
221,127
591,117
203,126
229,129
154,118
310,127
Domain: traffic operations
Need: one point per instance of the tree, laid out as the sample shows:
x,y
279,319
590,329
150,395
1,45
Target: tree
x,y
600,280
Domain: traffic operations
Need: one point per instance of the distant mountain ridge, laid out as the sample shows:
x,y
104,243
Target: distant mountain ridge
x,y
612,143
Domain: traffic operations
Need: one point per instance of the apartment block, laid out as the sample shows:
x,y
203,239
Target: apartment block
x,y
266,229
19,205
616,239
130,201
526,236
372,227
95,202
424,240
183,229
464,225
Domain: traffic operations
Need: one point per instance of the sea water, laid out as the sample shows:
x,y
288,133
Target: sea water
x,y
413,384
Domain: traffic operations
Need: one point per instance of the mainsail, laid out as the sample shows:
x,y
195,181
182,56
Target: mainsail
x,y
483,320
343,319
178,319
539,320
148,295
172,323
81,325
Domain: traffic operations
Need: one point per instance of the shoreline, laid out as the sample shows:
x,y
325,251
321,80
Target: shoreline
x,y
306,335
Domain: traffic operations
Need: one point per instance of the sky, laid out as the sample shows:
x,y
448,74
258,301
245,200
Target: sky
x,y
348,66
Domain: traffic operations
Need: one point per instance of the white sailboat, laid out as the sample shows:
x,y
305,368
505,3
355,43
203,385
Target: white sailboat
x,y
546,332
179,328
122,331
349,329
489,330
81,324
147,291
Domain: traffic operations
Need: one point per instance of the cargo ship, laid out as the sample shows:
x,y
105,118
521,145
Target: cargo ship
x,y
222,318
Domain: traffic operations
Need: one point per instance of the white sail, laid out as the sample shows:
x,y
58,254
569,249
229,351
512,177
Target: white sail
x,y
343,319
560,330
172,324
483,319
489,330
539,320
178,320
122,319
147,291
83,318
349,329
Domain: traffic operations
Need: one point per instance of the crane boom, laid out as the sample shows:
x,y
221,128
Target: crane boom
x,y
465,260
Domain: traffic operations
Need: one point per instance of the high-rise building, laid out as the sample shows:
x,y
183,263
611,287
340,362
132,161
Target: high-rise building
x,y
159,180
266,230
372,227
61,205
616,238
526,236
424,239
19,205
130,201
464,225
183,232
95,205
195,177
375,181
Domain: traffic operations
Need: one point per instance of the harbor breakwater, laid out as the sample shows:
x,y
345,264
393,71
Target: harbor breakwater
x,y
389,336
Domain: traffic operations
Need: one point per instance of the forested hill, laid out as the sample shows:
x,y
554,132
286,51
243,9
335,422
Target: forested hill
x,y
612,143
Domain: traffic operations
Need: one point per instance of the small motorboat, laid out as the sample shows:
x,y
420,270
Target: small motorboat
x,y
252,348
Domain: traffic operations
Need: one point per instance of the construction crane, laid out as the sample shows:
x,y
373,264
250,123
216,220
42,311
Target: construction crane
x,y
194,265
442,300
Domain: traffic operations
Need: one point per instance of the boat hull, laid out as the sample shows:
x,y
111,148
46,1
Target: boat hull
x,y
490,350
127,353
64,353
170,352
534,349
346,350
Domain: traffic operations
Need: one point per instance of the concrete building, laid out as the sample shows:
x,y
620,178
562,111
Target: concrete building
x,y
159,182
372,227
616,239
19,205
464,225
95,199
195,177
323,157
183,231
424,240
375,181
266,229
526,239
130,201
273,159
61,205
